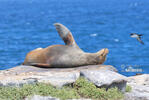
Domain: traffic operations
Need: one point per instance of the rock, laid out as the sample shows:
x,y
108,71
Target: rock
x,y
140,87
139,79
59,77
38,97
15,81
79,99
31,69
138,93
101,75
105,78
55,78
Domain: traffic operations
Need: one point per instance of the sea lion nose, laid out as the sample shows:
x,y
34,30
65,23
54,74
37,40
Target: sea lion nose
x,y
103,52
106,51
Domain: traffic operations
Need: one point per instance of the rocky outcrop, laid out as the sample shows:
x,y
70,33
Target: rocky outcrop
x,y
38,97
100,75
139,80
29,75
140,87
105,78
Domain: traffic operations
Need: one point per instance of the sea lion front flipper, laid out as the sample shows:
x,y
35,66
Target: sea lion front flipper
x,y
65,34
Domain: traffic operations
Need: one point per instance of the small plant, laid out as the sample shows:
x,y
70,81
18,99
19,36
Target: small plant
x,y
128,88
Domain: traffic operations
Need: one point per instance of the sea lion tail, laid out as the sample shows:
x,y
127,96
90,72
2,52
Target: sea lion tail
x,y
65,34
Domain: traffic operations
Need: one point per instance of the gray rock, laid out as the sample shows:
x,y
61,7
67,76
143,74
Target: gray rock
x,y
80,99
140,87
105,78
138,93
30,75
139,79
59,77
31,69
136,96
38,97
14,82
100,75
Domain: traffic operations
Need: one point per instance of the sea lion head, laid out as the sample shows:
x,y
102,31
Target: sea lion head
x,y
102,55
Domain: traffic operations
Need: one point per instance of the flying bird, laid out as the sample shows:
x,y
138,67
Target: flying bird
x,y
137,36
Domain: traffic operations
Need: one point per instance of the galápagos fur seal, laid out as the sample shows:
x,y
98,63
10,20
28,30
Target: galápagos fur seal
x,y
68,55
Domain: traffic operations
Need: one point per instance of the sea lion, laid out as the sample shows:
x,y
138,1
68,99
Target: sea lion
x,y
68,55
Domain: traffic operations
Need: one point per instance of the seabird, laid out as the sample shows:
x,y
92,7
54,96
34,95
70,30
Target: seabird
x,y
137,36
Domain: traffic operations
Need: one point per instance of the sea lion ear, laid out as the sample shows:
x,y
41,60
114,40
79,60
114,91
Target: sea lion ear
x,y
65,34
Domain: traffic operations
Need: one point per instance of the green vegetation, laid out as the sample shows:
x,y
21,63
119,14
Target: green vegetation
x,y
128,88
89,90
80,89
16,93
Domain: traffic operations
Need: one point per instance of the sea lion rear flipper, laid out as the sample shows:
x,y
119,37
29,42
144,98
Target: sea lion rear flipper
x,y
65,34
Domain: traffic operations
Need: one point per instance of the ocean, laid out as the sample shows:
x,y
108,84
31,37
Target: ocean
x,y
95,24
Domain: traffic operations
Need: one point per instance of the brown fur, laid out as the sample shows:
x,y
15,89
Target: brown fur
x,y
69,55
